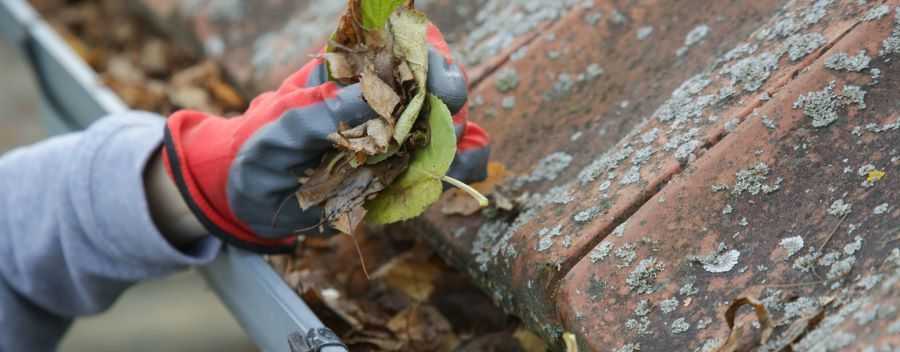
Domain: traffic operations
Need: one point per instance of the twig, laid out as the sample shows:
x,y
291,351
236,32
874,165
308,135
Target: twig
x,y
833,231
362,260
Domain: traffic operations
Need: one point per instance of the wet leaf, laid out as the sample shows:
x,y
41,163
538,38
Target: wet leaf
x,y
375,13
409,28
420,185
736,341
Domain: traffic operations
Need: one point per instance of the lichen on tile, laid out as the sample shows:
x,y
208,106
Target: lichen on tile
x,y
845,62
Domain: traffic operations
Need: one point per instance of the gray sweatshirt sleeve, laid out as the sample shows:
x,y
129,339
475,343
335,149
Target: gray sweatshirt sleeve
x,y
76,231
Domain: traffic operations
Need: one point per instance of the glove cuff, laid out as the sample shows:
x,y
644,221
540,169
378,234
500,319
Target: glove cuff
x,y
201,177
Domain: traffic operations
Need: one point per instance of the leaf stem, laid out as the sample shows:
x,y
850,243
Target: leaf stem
x,y
482,200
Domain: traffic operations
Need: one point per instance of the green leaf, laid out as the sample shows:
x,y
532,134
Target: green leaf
x,y
409,28
420,185
375,13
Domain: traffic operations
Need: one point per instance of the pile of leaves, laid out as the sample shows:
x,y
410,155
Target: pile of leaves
x,y
144,68
389,168
412,302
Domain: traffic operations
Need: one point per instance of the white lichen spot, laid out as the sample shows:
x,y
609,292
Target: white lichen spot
x,y
548,169
600,252
680,325
792,245
626,254
853,247
844,62
685,152
891,45
630,347
693,37
722,261
696,35
800,45
876,13
643,278
632,176
650,136
508,102
753,181
644,32
840,208
642,155
752,72
841,268
728,209
593,71
669,305
562,87
821,106
881,209
546,237
768,123
507,80
619,231
855,95
732,125
586,215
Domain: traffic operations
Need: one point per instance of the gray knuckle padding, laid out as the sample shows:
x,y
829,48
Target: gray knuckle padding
x,y
446,81
470,165
349,107
264,173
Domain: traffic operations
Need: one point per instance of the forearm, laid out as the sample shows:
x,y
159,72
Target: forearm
x,y
170,212
76,228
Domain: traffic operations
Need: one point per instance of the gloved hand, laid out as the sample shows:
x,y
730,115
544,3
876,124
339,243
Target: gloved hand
x,y
237,174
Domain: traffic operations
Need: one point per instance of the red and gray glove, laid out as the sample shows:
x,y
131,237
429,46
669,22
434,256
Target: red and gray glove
x,y
237,174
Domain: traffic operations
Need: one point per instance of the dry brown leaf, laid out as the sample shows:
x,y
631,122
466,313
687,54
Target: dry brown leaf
x,y
497,173
339,66
380,132
422,326
411,275
735,341
370,138
404,73
799,328
323,183
380,95
345,309
499,201
190,97
121,69
529,341
196,75
154,56
348,222
458,202
225,94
